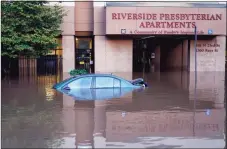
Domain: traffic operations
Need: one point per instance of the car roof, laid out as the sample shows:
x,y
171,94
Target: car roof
x,y
101,75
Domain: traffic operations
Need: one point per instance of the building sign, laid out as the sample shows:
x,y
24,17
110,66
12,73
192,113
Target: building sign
x,y
153,20
208,55
160,20
123,31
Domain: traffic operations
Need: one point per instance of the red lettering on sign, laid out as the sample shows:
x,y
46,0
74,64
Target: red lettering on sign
x,y
142,25
167,24
114,16
134,17
164,20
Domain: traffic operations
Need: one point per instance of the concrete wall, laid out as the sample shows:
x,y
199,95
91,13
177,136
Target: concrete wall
x,y
99,20
84,16
209,80
175,56
68,53
113,55
209,59
178,57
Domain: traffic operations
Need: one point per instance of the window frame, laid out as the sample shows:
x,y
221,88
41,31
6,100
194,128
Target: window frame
x,y
91,86
94,82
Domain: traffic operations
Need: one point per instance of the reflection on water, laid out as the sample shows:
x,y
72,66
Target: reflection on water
x,y
170,113
99,94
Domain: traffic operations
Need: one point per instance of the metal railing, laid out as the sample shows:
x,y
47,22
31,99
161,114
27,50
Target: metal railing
x,y
24,66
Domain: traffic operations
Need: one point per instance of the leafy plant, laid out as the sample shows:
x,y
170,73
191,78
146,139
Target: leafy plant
x,y
29,28
76,72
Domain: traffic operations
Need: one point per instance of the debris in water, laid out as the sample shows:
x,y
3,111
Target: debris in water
x,y
123,114
208,112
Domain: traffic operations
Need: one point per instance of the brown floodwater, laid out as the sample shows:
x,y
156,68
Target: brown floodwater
x,y
173,112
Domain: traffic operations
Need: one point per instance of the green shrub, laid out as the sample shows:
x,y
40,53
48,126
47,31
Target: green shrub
x,y
76,72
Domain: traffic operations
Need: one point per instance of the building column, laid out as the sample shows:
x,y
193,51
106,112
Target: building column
x,y
68,45
68,39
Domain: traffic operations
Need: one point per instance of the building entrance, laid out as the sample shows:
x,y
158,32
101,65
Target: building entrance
x,y
84,54
160,53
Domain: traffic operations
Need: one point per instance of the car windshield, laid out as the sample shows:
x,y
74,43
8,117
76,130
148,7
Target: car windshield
x,y
60,83
67,79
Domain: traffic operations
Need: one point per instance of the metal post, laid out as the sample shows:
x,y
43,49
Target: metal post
x,y
195,80
143,63
195,54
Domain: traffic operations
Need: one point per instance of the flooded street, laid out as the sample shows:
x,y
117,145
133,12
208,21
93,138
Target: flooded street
x,y
172,112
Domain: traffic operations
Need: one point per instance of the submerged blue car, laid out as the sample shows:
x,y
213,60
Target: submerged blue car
x,y
97,81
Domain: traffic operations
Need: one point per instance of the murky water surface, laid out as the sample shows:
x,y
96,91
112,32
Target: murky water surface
x,y
170,113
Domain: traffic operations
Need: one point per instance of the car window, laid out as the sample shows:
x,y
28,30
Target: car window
x,y
117,83
81,83
104,82
125,84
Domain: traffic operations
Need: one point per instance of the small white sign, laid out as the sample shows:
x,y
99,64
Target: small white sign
x,y
152,55
123,31
210,31
91,62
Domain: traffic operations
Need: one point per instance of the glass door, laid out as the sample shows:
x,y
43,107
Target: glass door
x,y
84,53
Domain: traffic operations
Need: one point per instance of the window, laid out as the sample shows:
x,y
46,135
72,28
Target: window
x,y
83,43
81,83
104,82
125,84
117,83
84,53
